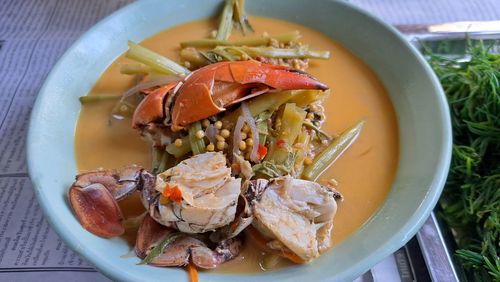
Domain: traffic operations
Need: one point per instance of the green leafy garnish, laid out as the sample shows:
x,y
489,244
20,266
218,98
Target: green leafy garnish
x,y
158,249
471,198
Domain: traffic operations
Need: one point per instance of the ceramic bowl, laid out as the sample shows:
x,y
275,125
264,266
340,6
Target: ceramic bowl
x,y
421,109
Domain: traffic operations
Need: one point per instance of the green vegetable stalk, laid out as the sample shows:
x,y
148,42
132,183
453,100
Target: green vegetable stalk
x,y
332,152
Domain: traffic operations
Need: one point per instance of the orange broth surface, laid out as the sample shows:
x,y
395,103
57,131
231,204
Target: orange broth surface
x,y
365,172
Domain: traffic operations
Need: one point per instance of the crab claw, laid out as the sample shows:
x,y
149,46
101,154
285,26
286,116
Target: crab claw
x,y
207,91
151,108
94,197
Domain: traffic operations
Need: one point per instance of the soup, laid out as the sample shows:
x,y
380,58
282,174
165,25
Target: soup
x,y
364,172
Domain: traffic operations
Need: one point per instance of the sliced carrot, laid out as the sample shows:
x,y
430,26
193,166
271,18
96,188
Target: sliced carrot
x,y
166,191
172,192
193,272
176,194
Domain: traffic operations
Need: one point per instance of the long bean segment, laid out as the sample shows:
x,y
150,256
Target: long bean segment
x,y
154,60
332,152
197,143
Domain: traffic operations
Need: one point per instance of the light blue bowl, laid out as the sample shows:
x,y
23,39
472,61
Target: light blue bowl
x,y
421,108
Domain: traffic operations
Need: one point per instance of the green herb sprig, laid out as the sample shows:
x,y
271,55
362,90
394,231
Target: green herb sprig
x,y
471,198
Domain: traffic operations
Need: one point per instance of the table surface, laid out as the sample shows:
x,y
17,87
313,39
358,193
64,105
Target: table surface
x,y
33,35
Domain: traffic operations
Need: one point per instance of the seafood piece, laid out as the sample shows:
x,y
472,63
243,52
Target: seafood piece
x,y
184,249
209,90
94,195
296,215
251,190
209,194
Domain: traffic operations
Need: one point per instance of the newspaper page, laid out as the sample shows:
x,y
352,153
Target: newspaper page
x,y
33,36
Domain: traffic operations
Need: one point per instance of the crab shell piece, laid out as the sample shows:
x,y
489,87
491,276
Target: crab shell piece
x,y
208,90
151,108
94,197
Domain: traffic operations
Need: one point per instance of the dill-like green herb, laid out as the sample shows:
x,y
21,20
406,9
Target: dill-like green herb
x,y
471,198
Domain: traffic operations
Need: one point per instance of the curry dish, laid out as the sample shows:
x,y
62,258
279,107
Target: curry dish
x,y
255,177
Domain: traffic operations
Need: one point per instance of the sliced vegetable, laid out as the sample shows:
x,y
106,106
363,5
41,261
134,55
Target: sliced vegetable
x,y
84,100
307,97
303,140
332,152
262,103
179,151
261,122
154,60
226,21
320,132
301,52
173,193
262,151
256,41
197,144
291,118
158,249
135,69
269,170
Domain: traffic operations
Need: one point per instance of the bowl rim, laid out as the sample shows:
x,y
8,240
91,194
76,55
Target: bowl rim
x,y
390,245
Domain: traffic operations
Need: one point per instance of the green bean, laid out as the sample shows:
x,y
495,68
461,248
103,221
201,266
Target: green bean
x,y
181,151
197,144
251,42
98,98
332,152
154,60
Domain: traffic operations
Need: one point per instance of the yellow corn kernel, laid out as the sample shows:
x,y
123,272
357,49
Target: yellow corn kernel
x,y
249,142
243,145
221,145
205,123
224,133
218,124
210,147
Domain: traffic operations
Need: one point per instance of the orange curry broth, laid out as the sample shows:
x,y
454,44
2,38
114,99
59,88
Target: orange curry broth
x,y
364,173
